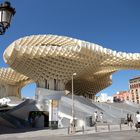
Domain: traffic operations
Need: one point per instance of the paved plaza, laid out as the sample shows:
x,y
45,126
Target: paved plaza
x,y
118,135
102,133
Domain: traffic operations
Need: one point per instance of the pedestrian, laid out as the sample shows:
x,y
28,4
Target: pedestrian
x,y
129,119
101,117
138,120
95,116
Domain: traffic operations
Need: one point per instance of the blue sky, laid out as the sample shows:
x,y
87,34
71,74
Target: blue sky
x,y
113,24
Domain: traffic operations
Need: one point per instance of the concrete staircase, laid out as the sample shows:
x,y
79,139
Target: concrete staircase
x,y
18,115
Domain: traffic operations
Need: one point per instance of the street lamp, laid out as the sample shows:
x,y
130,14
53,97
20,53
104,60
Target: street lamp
x,y
73,123
6,14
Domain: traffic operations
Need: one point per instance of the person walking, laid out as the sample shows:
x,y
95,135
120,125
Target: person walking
x,y
95,116
129,119
138,120
101,117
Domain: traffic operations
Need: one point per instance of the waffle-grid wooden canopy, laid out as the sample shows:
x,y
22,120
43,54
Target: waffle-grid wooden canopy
x,y
43,57
11,82
11,77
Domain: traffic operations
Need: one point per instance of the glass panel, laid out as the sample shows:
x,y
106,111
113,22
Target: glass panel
x,y
5,24
6,16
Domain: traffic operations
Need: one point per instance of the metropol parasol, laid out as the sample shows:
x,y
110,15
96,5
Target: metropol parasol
x,y
51,60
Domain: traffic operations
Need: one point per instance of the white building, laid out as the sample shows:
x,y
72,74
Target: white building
x,y
104,98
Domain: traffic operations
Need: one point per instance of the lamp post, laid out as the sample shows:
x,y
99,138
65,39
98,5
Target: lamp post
x,y
73,125
6,14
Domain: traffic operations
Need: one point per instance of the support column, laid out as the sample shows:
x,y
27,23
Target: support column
x,y
9,90
53,114
53,86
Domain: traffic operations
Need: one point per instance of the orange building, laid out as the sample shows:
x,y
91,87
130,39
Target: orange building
x,y
121,96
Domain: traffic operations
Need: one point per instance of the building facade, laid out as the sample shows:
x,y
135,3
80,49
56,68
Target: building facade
x,y
134,90
121,96
104,98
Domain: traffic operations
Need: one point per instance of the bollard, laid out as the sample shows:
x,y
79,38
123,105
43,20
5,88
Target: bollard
x,y
131,125
109,127
83,129
95,127
68,130
120,126
72,130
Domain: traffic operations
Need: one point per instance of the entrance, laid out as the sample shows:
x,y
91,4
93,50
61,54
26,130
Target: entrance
x,y
38,119
46,119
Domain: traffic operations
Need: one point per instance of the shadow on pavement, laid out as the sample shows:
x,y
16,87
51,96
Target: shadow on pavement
x,y
9,130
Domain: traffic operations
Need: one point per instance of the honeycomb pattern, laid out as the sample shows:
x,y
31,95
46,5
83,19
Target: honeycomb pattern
x,y
43,57
9,76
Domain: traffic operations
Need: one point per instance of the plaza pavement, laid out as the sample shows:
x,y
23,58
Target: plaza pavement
x,y
102,133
